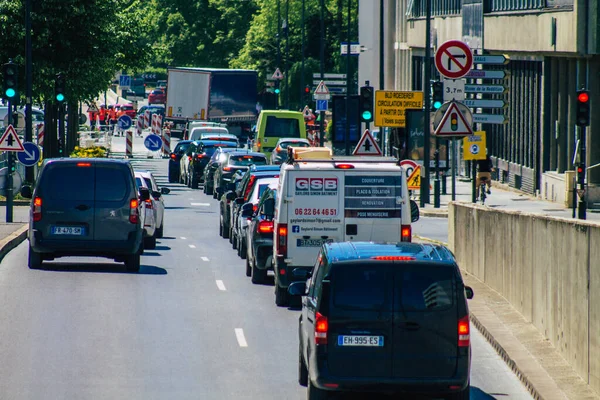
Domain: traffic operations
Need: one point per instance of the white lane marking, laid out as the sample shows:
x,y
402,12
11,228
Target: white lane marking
x,y
201,204
221,285
192,246
204,258
183,238
239,334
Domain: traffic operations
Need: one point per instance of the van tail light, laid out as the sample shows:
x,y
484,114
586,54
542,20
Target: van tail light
x,y
405,233
134,212
37,209
149,204
344,166
321,328
200,156
265,227
393,258
281,242
226,168
464,332
173,156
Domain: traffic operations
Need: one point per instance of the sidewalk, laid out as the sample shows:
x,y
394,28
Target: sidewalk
x,y
13,233
502,197
538,364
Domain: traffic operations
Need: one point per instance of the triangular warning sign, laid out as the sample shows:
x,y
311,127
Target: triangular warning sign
x,y
277,74
306,112
453,123
10,141
367,146
93,107
322,88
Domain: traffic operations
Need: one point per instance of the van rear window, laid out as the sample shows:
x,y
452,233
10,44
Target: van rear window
x,y
424,288
282,127
69,182
111,183
361,287
247,160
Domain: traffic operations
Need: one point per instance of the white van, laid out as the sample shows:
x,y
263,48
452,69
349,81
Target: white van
x,y
335,199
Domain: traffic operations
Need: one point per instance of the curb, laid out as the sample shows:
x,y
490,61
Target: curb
x,y
433,214
13,240
430,240
16,202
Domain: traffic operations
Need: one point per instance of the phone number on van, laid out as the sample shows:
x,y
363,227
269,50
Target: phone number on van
x,y
316,211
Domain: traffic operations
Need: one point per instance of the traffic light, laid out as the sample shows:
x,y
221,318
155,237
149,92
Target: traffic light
x,y
306,90
11,77
365,104
453,121
59,88
277,90
583,108
437,95
580,174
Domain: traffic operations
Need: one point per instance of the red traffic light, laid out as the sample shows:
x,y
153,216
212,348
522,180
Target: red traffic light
x,y
583,97
307,89
579,170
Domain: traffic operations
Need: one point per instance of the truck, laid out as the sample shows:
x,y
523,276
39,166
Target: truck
x,y
214,95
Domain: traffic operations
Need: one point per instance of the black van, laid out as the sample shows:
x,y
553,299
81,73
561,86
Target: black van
x,y
85,207
389,318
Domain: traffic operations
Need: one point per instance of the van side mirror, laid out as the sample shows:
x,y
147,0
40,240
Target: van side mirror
x,y
230,196
144,194
297,289
230,186
239,200
301,273
414,211
269,207
247,210
469,292
165,190
156,195
26,192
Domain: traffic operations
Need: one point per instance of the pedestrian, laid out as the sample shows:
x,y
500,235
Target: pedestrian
x,y
112,117
102,113
92,116
484,174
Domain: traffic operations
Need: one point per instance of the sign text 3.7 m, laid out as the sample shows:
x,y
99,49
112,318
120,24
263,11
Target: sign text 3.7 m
x,y
390,107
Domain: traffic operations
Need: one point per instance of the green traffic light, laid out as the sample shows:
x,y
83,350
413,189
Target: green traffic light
x,y
437,105
277,91
60,97
366,115
10,93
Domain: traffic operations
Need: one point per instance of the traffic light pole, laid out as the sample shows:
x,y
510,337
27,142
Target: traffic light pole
x,y
424,197
582,206
348,75
9,177
322,56
61,130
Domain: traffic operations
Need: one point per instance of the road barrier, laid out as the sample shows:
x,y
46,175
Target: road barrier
x,y
147,119
40,134
166,139
548,268
139,125
156,124
129,143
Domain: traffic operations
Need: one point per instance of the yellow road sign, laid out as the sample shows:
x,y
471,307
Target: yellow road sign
x,y
390,107
474,146
414,181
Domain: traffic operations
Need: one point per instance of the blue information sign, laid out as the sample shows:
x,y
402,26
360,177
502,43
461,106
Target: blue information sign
x,y
30,154
124,122
125,80
322,105
153,142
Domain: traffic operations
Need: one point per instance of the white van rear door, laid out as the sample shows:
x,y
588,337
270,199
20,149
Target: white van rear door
x,y
315,214
373,206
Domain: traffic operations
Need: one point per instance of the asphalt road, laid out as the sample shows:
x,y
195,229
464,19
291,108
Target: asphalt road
x,y
190,325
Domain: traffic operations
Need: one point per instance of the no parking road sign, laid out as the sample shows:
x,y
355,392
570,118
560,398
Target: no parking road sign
x,y
453,59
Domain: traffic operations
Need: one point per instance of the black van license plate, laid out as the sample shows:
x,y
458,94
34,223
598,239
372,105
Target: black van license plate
x,y
68,230
310,242
360,340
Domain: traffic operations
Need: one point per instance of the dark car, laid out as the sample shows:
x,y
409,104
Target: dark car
x,y
175,160
154,109
234,161
86,207
213,164
201,152
384,318
280,153
157,96
259,249
232,200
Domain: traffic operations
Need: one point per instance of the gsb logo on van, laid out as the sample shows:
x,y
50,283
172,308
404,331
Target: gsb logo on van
x,y
316,186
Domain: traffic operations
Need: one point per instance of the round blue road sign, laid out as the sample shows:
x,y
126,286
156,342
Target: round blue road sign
x,y
153,142
124,122
30,154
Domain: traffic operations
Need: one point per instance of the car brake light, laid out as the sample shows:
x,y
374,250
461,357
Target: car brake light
x,y
321,328
405,233
393,258
199,156
149,204
265,227
37,209
344,166
134,213
258,144
189,158
278,149
84,164
281,242
226,168
464,337
173,156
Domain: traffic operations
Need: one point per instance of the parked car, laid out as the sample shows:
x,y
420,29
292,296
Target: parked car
x,y
280,153
201,153
158,203
86,207
197,132
184,162
213,164
234,161
149,215
393,313
157,96
259,235
154,109
175,160
128,110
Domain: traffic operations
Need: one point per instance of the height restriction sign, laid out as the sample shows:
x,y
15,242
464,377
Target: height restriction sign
x,y
453,59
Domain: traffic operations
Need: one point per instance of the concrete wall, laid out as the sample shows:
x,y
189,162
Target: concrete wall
x,y
547,267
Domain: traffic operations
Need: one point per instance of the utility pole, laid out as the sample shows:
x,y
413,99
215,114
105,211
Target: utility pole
x,y
348,78
287,54
322,113
29,173
426,98
278,43
302,96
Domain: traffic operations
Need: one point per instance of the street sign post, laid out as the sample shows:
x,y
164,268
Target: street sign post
x,y
454,89
355,49
153,142
322,105
453,59
414,180
409,167
367,146
465,111
390,107
321,92
484,103
30,155
10,140
490,119
453,123
277,75
474,146
124,122
125,81
493,60
486,89
483,74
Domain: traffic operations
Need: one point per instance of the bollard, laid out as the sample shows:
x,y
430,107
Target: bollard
x,y
40,134
147,119
166,140
443,173
139,125
129,144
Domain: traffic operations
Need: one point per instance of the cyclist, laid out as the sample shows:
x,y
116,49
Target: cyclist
x,y
484,174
